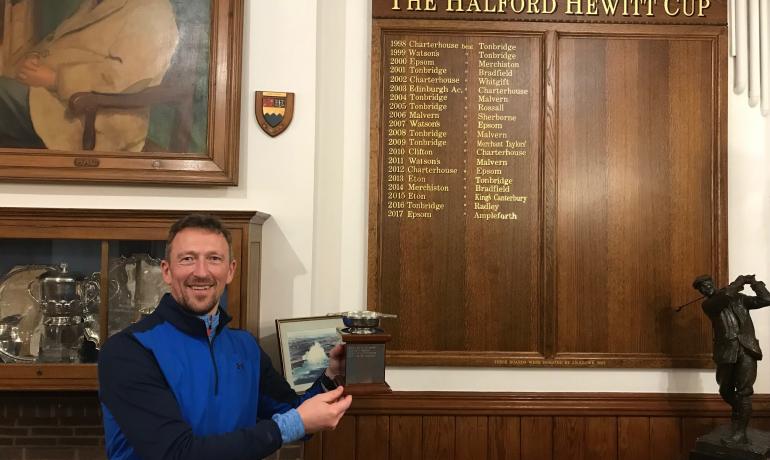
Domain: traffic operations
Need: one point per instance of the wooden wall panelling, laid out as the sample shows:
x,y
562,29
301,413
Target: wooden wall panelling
x,y
406,437
634,438
627,130
692,427
601,437
504,438
372,435
636,195
536,438
471,436
313,448
439,436
478,426
666,438
568,438
340,443
682,12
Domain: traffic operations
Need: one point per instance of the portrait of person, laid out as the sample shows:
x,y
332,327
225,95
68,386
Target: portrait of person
x,y
54,50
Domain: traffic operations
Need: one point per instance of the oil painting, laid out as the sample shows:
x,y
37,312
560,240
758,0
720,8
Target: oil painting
x,y
305,344
120,90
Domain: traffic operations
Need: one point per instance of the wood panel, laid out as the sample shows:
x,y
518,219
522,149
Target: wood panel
x,y
569,438
438,436
471,435
505,438
406,437
372,435
634,438
625,11
341,442
625,173
636,195
477,426
665,437
536,438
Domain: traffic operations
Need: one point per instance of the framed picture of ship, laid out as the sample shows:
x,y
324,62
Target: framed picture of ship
x,y
304,345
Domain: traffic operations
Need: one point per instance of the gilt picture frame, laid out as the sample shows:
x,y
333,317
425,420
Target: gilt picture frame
x,y
190,134
304,345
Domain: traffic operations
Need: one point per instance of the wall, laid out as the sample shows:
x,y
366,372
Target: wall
x,y
313,180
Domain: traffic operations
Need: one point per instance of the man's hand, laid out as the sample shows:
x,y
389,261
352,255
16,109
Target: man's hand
x,y
324,411
34,73
336,361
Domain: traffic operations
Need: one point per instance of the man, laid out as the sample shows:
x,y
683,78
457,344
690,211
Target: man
x,y
181,385
736,349
107,46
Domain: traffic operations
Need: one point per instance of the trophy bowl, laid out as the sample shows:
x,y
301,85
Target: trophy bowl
x,y
360,320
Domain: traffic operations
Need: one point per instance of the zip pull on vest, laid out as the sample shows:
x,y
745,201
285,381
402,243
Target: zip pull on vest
x,y
211,322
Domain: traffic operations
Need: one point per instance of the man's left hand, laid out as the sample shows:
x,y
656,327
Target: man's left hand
x,y
336,361
35,73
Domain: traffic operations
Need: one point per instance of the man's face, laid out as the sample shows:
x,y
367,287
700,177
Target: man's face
x,y
198,269
707,288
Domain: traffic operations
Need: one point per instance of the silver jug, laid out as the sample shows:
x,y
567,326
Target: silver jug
x,y
66,300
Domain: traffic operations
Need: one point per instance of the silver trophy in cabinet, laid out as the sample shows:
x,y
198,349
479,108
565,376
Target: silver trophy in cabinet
x,y
67,300
136,286
20,315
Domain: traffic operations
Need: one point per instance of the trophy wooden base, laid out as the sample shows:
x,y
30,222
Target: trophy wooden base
x,y
365,363
357,389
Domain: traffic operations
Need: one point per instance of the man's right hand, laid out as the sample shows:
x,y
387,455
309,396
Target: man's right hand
x,y
324,411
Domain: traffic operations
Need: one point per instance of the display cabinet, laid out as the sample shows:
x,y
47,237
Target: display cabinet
x,y
70,278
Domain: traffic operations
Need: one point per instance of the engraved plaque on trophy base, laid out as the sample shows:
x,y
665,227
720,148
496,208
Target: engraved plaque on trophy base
x,y
365,363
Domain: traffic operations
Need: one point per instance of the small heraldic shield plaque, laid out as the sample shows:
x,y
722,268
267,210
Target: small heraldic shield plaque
x,y
274,111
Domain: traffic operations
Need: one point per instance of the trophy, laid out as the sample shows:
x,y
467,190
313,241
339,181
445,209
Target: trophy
x,y
66,302
364,352
136,287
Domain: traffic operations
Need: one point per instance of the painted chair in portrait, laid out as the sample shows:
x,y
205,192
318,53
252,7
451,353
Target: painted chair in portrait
x,y
173,103
175,98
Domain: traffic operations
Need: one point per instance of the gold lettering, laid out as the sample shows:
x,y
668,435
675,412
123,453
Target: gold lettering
x,y
610,6
650,4
591,8
532,7
430,5
702,5
487,9
501,4
459,4
692,10
669,11
414,2
395,6
575,3
522,4
475,5
553,7
636,7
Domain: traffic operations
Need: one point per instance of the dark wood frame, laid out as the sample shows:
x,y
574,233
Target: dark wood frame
x,y
218,165
106,225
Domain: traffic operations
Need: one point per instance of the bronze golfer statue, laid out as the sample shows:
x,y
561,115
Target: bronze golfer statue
x,y
736,349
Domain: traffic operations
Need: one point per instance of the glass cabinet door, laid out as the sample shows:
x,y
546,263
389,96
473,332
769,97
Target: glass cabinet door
x,y
135,283
49,300
71,278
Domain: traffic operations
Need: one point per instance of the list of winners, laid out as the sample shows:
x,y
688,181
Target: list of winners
x,y
456,127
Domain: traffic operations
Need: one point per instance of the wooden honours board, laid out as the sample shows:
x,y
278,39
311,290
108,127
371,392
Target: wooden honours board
x,y
461,159
505,202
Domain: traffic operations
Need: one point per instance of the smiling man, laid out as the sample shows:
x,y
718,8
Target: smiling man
x,y
180,384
